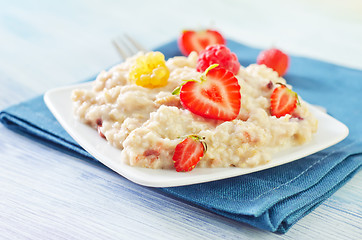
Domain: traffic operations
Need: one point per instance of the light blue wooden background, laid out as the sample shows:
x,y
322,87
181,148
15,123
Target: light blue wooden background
x,y
45,194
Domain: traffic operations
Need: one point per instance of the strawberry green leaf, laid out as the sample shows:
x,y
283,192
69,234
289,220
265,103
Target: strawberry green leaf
x,y
203,75
177,90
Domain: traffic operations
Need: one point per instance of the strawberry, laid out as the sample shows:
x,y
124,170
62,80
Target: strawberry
x,y
218,54
188,153
198,40
275,59
215,96
283,101
99,123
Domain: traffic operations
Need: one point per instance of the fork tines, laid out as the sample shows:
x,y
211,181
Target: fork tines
x,y
126,46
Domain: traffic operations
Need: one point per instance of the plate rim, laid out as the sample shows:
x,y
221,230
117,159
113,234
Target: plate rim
x,y
122,168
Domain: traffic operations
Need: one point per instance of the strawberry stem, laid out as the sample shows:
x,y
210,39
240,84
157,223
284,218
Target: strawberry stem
x,y
211,67
298,101
203,75
177,90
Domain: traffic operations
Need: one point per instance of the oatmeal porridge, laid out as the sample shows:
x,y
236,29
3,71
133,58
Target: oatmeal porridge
x,y
148,122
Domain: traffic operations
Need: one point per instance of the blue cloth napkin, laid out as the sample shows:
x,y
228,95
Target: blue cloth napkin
x,y
272,199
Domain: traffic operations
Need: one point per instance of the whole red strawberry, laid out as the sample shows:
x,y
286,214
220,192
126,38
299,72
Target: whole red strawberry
x,y
197,41
216,95
218,54
283,101
188,153
275,59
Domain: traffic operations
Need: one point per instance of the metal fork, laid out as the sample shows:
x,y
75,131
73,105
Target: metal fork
x,y
127,46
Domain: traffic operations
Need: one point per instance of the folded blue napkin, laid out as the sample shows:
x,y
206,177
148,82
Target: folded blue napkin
x,y
272,199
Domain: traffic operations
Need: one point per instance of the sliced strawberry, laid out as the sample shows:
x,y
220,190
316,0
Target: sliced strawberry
x,y
283,101
216,96
188,153
274,59
198,40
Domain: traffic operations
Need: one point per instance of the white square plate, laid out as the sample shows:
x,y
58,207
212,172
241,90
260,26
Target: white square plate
x,y
330,132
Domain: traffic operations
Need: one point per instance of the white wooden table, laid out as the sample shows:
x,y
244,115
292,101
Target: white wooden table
x,y
46,194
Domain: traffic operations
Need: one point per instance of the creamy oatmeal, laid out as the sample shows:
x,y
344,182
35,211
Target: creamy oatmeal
x,y
147,123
